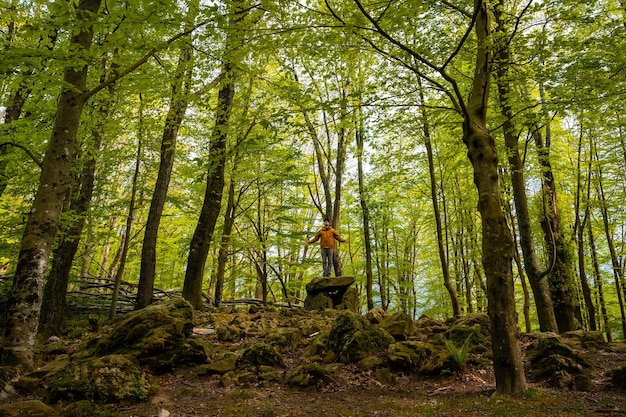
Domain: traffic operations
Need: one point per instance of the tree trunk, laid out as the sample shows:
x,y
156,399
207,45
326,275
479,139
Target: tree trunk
x,y
579,228
536,277
443,259
497,242
28,283
229,221
201,240
560,277
598,278
618,272
55,294
130,221
369,284
179,102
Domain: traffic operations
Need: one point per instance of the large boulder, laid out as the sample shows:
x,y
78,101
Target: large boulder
x,y
307,375
144,333
284,338
426,326
317,285
319,301
109,379
409,355
260,354
353,338
618,376
555,361
399,325
331,292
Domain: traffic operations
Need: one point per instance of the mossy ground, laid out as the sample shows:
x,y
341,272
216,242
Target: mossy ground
x,y
356,392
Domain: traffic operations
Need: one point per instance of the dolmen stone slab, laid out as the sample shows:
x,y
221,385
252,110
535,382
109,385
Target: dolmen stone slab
x,y
331,292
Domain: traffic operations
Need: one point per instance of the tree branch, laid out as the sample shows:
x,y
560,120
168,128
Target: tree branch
x,y
25,149
90,93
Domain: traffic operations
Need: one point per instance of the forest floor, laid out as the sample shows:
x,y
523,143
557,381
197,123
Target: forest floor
x,y
357,393
472,394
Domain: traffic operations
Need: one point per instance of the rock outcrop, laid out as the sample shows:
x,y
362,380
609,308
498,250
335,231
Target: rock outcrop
x,y
331,292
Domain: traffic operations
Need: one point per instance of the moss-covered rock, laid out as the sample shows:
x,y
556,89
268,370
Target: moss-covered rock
x,y
439,363
349,300
228,333
319,301
284,338
311,374
460,333
409,354
371,362
226,364
375,315
258,354
85,408
343,328
110,379
555,361
473,319
192,350
238,377
427,327
618,376
353,338
399,325
588,340
144,333
32,408
27,384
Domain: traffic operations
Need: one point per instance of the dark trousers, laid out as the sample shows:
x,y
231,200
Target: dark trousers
x,y
327,260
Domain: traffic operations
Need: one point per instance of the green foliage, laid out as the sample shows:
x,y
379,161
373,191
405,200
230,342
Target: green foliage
x,y
299,66
460,355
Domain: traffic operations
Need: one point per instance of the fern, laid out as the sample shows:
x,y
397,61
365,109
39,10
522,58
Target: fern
x,y
459,355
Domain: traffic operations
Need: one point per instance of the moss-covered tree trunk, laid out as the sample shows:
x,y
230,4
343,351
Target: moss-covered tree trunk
x,y
28,283
537,278
497,242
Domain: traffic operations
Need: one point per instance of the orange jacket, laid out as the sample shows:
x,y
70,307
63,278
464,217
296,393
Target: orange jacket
x,y
328,237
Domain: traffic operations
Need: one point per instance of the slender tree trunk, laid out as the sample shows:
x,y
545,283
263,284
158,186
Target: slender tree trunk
x,y
367,241
560,278
536,277
342,143
229,221
579,228
201,240
380,268
28,282
618,272
130,220
179,102
443,259
497,241
598,278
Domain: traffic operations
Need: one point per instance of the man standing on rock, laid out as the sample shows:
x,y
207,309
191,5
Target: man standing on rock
x,y
327,236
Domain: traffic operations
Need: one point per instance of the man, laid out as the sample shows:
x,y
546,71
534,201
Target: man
x,y
327,236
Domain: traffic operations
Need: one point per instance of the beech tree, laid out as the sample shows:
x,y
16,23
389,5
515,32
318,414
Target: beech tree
x,y
39,234
201,240
497,242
